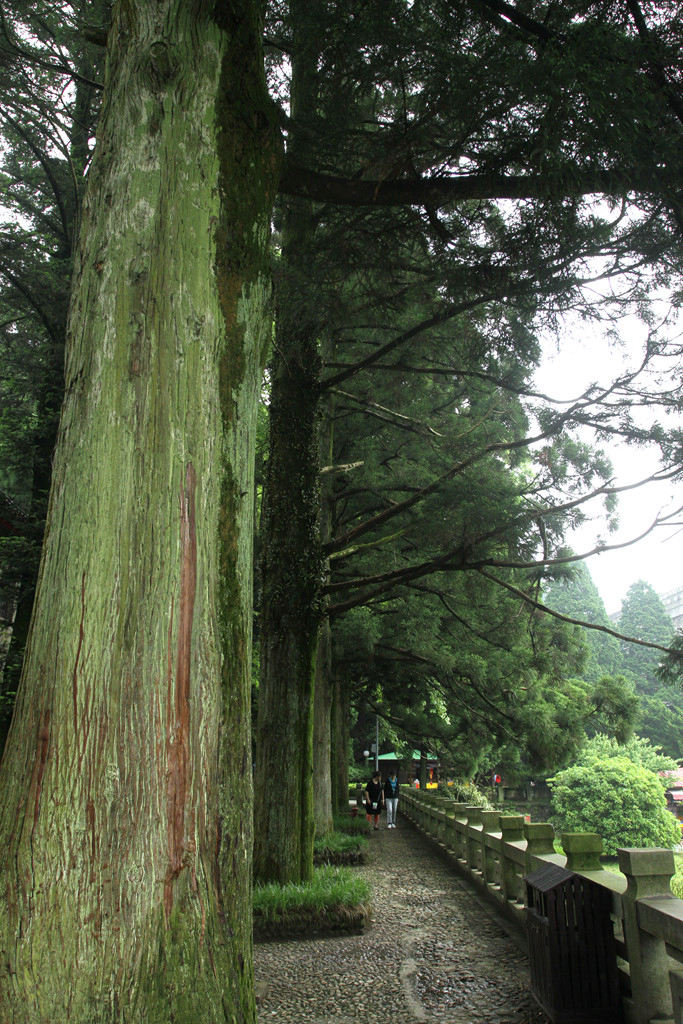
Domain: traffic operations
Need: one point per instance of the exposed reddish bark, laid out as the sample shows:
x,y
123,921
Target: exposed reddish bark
x,y
178,750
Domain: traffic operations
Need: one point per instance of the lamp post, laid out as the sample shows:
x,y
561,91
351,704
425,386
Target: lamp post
x,y
375,745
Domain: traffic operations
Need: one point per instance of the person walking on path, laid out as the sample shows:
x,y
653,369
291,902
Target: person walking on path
x,y
391,798
374,798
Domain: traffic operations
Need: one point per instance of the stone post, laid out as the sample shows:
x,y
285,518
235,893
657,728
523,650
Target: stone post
x,y
489,865
459,819
648,873
449,834
429,817
439,824
512,831
582,850
473,839
540,837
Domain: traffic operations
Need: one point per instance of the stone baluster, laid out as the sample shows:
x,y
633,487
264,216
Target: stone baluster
x,y
512,831
490,859
582,850
445,822
449,833
648,873
474,835
540,841
459,820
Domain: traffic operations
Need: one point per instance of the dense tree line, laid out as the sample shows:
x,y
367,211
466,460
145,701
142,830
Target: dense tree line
x,y
372,276
657,704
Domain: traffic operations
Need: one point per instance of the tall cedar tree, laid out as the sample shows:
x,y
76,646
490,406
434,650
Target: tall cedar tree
x,y
126,816
448,657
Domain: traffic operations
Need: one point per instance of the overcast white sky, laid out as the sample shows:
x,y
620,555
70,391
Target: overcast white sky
x,y
657,559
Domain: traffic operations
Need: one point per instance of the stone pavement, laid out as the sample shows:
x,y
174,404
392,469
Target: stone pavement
x,y
435,953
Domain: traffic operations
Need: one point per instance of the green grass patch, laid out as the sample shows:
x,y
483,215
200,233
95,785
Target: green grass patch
x,y
350,825
337,900
340,848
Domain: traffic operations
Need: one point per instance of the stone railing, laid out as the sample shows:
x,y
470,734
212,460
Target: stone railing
x,y
496,851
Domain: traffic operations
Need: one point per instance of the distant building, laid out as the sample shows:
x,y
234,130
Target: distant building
x,y
673,602
674,792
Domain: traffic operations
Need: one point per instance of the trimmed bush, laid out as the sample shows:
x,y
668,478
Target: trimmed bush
x,y
621,801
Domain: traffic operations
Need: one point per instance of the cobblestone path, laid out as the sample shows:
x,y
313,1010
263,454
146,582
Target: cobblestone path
x,y
435,953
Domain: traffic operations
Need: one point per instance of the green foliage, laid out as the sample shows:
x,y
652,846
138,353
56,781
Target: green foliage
x,y
670,669
465,791
644,617
575,595
621,801
660,718
358,773
637,749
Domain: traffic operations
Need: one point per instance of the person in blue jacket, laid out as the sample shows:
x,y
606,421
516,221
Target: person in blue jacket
x,y
391,798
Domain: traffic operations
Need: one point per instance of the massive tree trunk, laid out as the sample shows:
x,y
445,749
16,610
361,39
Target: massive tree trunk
x,y
290,611
126,819
291,564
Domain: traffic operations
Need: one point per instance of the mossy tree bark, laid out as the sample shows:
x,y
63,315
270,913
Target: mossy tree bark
x,y
292,573
126,815
323,802
290,607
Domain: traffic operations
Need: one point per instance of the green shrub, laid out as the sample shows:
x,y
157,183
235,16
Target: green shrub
x,y
636,749
358,773
621,801
464,791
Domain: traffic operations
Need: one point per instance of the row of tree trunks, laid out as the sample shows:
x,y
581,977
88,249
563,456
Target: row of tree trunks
x,y
125,821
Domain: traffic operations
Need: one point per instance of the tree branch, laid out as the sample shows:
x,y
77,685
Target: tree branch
x,y
539,606
440,191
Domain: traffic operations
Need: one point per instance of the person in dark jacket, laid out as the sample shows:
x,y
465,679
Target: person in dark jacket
x,y
391,798
374,798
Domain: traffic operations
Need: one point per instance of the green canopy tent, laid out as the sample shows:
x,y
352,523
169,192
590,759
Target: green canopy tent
x,y
392,756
